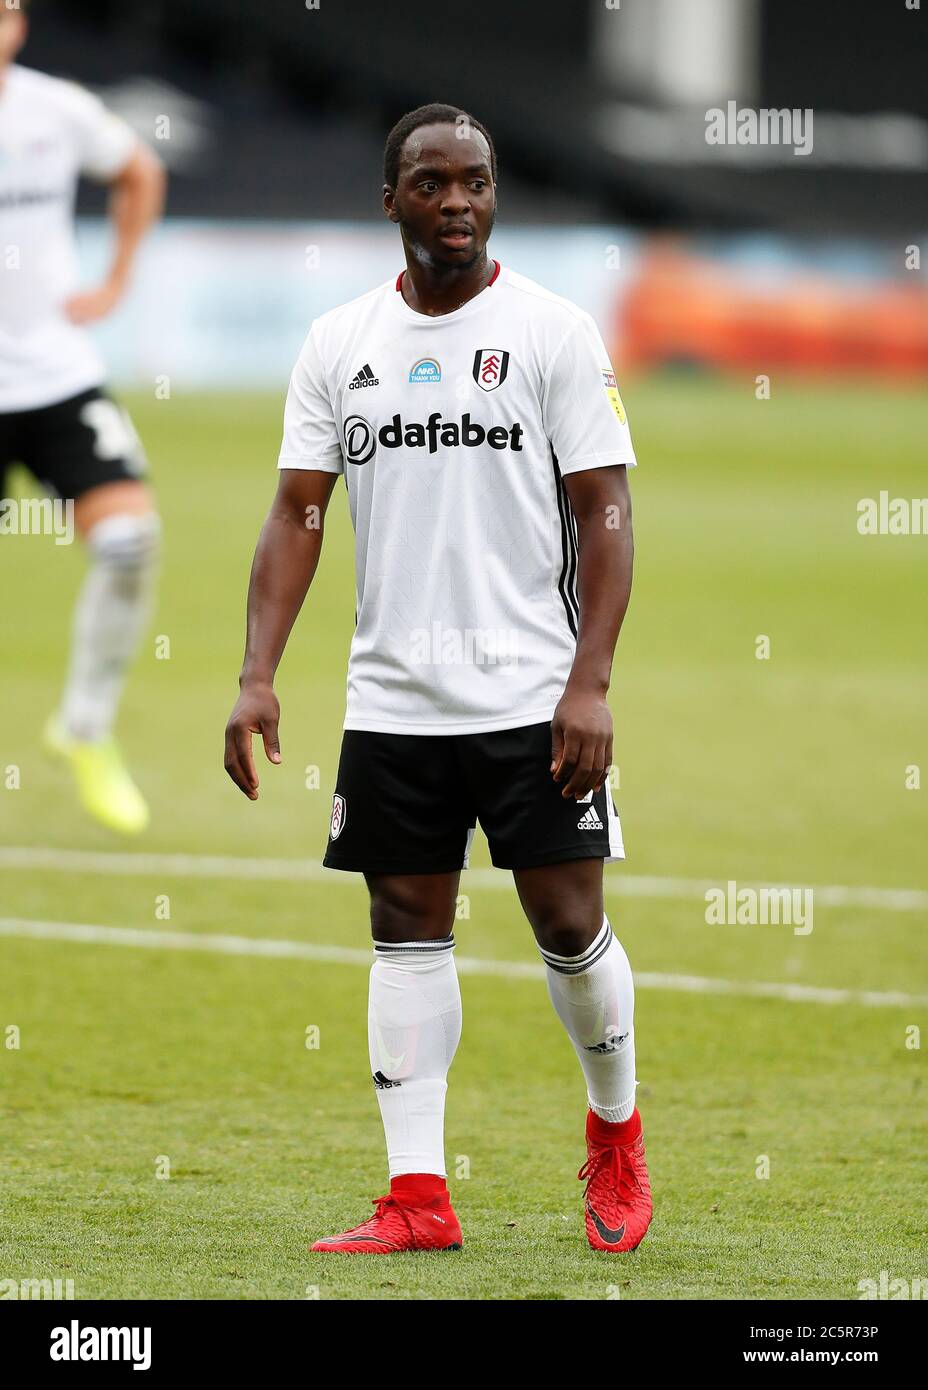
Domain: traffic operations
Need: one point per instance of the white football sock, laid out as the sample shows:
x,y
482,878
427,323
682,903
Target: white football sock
x,y
594,997
110,615
414,1027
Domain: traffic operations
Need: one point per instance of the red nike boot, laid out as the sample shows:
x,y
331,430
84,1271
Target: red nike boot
x,y
397,1225
618,1191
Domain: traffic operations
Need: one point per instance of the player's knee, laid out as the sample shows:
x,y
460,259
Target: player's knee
x,y
405,909
128,544
566,932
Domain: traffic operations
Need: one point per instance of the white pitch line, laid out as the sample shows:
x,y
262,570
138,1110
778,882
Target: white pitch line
x,y
156,939
79,861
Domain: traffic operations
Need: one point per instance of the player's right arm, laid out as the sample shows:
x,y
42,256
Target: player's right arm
x,y
285,561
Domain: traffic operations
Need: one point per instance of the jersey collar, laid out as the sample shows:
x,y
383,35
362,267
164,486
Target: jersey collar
x,y
415,316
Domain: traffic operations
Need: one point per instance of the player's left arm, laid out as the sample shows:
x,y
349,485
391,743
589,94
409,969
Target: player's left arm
x,y
108,151
581,730
585,422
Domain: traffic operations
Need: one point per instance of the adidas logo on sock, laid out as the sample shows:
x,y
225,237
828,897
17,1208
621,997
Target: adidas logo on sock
x,y
611,1044
365,377
590,821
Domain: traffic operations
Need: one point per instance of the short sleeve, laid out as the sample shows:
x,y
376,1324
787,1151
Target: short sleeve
x,y
105,143
583,414
311,437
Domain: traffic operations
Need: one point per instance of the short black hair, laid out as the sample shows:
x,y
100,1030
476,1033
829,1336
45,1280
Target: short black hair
x,y
436,113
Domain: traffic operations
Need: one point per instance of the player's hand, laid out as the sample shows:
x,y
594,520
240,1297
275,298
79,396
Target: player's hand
x,y
256,711
90,305
581,742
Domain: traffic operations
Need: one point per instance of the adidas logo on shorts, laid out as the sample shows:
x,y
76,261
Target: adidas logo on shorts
x,y
590,821
365,377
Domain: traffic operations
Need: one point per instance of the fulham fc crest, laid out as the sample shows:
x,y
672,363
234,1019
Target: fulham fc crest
x,y
490,368
338,816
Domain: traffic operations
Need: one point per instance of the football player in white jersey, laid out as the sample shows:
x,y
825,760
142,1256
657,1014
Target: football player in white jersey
x,y
475,419
54,415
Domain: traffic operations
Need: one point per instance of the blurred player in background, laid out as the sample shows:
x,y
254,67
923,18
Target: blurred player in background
x,y
55,417
476,421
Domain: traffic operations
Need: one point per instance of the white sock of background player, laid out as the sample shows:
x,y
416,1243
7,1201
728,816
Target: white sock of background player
x,y
110,616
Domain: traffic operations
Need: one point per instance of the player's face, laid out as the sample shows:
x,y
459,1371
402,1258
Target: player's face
x,y
445,199
12,33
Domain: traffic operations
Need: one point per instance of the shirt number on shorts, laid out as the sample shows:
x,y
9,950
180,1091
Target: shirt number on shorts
x,y
114,435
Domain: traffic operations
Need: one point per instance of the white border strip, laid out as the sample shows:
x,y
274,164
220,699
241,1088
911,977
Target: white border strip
x,y
622,885
157,939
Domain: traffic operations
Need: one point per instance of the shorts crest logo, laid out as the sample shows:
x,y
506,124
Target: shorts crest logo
x,y
490,368
338,816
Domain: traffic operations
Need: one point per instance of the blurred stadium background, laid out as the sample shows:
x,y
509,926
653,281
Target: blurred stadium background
x,y
707,268
691,253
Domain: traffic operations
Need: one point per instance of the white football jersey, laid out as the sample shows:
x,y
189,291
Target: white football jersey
x,y
50,132
453,434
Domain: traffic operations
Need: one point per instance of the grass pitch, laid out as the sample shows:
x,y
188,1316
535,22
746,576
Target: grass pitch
x,y
134,1061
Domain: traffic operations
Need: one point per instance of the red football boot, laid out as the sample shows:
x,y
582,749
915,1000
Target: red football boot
x,y
397,1226
618,1192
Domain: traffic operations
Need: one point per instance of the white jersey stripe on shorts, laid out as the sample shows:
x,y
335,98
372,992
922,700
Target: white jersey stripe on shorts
x,y
616,845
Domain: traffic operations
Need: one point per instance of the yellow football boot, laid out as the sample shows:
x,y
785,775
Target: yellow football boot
x,y
104,786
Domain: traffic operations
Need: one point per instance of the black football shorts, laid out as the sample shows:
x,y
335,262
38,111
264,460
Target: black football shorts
x,y
72,446
409,803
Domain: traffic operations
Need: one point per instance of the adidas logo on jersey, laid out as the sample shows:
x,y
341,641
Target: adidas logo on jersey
x,y
590,821
383,1083
365,377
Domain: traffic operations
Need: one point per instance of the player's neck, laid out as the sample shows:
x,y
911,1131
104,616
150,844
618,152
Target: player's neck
x,y
440,290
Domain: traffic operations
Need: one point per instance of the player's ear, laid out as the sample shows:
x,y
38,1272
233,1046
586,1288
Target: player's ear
x,y
389,203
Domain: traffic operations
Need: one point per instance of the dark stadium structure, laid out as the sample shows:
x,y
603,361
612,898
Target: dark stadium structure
x,y
280,109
